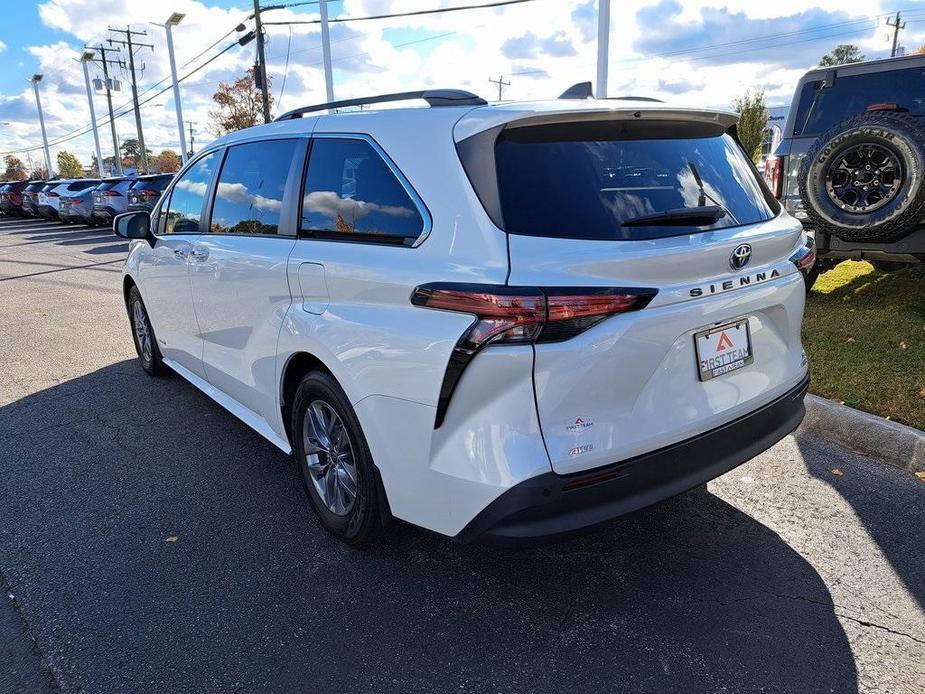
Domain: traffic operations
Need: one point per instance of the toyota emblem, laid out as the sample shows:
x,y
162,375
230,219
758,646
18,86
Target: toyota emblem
x,y
740,256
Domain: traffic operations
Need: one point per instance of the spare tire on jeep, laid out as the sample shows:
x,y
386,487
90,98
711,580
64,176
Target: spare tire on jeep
x,y
864,180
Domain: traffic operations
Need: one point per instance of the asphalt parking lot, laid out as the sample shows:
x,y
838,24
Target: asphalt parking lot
x,y
779,576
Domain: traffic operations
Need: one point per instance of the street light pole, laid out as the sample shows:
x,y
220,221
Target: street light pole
x,y
38,102
326,51
175,19
603,46
85,58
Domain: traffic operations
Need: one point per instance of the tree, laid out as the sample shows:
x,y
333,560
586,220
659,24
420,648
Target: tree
x,y
239,104
131,153
40,173
69,166
167,161
15,169
921,50
753,121
842,55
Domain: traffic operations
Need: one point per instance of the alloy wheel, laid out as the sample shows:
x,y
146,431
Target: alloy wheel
x,y
329,457
142,333
864,178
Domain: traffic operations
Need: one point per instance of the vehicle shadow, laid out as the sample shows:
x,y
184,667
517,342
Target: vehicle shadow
x,y
889,509
153,538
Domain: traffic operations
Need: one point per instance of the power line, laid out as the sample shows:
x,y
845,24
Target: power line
x,y
86,130
415,13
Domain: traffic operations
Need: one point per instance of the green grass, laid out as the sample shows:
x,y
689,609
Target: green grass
x,y
864,333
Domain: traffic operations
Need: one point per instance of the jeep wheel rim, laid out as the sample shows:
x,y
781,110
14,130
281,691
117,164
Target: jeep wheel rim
x,y
329,457
864,178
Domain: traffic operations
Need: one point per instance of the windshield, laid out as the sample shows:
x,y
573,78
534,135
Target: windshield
x,y
584,180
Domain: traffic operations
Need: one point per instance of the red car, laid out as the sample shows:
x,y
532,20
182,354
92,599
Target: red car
x,y
11,198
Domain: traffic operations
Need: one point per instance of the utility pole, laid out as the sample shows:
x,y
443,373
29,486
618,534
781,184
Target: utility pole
x,y
603,46
117,157
326,51
38,102
501,84
84,60
262,63
192,140
175,19
897,27
128,33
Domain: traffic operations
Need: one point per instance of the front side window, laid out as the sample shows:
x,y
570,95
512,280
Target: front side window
x,y
184,211
249,195
600,180
351,193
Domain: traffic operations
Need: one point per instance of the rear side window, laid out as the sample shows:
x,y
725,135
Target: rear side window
x,y
351,193
819,108
584,180
184,211
249,196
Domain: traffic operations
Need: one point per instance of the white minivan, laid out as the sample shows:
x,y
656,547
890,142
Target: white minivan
x,y
500,322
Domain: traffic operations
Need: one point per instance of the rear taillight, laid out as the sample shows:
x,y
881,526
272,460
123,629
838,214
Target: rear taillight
x,y
774,175
110,193
149,193
519,315
53,195
805,256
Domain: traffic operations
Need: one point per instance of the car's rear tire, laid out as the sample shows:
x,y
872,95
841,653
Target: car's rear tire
x,y
334,461
143,334
863,179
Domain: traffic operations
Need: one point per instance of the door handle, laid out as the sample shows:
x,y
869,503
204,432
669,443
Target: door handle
x,y
199,254
180,252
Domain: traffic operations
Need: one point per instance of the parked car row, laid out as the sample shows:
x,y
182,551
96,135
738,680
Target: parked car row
x,y
89,201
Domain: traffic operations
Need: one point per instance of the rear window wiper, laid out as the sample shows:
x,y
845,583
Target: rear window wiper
x,y
682,216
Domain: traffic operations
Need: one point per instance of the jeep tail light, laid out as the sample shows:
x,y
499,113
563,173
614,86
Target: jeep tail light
x,y
805,257
774,175
520,315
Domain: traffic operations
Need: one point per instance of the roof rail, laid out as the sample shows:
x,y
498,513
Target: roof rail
x,y
635,98
582,90
434,97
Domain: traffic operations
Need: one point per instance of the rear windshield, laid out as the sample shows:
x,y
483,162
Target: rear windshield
x,y
33,187
82,185
820,108
584,180
158,183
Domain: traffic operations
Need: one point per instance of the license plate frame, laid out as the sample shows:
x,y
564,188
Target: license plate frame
x,y
706,370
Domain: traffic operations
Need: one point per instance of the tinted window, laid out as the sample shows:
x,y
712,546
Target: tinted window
x,y
83,185
819,109
585,180
184,211
153,183
249,195
351,192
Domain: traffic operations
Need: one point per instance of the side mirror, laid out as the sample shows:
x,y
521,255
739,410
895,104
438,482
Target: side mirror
x,y
133,225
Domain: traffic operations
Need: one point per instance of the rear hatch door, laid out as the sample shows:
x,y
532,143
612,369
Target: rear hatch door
x,y
720,338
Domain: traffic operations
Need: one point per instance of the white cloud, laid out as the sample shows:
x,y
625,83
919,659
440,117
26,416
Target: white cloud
x,y
541,47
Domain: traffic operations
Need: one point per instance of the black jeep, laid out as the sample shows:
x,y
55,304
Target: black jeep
x,y
851,164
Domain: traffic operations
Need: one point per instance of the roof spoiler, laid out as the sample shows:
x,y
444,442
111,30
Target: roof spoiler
x,y
581,90
434,97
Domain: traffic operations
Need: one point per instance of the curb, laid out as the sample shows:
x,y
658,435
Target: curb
x,y
895,444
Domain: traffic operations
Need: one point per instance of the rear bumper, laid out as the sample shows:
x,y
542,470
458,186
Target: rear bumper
x,y
549,504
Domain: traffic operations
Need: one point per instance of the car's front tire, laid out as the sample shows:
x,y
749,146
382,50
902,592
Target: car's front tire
x,y
143,334
334,460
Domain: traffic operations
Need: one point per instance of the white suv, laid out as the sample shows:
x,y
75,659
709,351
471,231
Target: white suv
x,y
502,322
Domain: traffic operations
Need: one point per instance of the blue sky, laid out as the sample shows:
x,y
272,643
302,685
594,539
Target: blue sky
x,y
697,52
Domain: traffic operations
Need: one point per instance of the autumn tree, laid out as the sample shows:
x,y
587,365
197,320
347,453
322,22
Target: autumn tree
x,y
240,104
39,173
69,166
753,121
167,161
131,153
842,55
921,50
15,169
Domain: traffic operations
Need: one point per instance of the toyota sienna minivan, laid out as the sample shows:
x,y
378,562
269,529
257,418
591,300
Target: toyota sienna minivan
x,y
497,322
